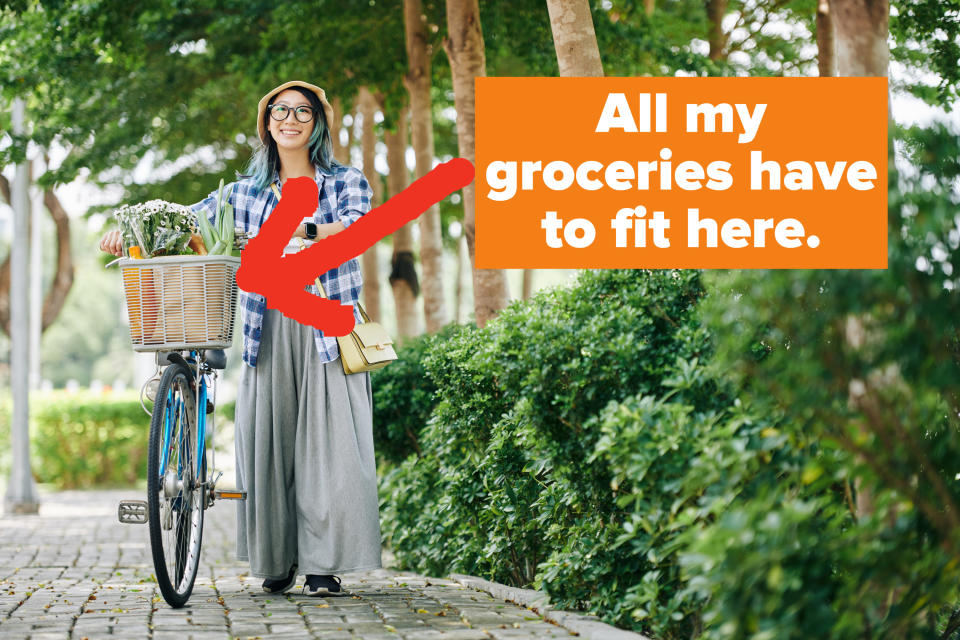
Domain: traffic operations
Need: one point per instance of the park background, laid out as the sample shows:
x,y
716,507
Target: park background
x,y
689,454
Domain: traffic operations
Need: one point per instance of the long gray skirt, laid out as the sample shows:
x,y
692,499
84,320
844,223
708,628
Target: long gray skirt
x,y
305,458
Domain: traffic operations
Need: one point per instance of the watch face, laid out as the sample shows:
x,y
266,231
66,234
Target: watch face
x,y
311,230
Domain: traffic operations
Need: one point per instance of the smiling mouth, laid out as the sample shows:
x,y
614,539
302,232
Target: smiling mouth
x,y
289,132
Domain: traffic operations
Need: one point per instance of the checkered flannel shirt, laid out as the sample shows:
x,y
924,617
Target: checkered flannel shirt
x,y
344,195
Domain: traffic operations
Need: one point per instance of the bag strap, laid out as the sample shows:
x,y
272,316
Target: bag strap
x,y
323,293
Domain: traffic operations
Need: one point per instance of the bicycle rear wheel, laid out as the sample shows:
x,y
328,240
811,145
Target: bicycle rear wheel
x,y
175,490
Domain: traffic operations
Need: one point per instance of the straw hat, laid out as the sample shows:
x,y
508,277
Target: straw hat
x,y
265,100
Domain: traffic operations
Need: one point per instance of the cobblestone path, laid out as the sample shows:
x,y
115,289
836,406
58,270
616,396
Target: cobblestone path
x,y
75,572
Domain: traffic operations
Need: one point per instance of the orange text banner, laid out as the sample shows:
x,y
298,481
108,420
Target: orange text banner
x,y
681,172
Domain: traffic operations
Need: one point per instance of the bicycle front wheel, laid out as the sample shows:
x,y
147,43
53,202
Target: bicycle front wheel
x,y
175,489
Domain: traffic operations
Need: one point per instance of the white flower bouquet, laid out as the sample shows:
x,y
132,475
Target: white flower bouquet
x,y
157,227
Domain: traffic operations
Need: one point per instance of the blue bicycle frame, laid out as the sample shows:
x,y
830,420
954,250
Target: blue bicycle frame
x,y
177,410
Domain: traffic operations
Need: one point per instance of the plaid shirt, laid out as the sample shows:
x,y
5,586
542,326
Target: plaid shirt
x,y
344,196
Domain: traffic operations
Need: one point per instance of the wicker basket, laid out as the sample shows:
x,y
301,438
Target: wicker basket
x,y
181,302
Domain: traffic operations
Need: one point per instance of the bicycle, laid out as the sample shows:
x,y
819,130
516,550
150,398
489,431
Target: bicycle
x,y
168,316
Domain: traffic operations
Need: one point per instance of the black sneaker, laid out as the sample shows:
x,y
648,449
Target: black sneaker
x,y
281,585
322,586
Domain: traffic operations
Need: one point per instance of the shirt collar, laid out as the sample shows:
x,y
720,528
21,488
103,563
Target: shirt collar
x,y
319,175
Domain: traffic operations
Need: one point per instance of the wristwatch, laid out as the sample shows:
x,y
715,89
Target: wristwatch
x,y
310,230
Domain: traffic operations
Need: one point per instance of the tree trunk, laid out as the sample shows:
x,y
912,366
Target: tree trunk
x,y
340,152
350,137
573,37
826,45
464,47
860,28
417,82
649,6
5,267
458,289
527,283
335,125
63,279
403,271
368,144
716,9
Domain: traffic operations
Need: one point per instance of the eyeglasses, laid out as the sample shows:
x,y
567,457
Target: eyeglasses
x,y
280,112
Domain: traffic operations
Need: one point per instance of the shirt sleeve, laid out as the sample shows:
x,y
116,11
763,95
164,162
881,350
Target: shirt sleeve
x,y
353,200
208,206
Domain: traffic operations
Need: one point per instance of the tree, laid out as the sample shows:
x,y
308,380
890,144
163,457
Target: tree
x,y
574,38
860,40
403,274
340,151
104,71
868,361
417,82
716,10
861,28
635,40
926,35
464,47
368,143
55,298
826,47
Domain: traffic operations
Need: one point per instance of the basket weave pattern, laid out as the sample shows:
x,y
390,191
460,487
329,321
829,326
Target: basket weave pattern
x,y
181,302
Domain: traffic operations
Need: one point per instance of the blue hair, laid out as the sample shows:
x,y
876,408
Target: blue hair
x,y
265,160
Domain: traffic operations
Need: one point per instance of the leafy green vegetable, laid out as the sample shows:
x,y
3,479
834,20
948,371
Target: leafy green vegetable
x,y
219,236
226,229
206,231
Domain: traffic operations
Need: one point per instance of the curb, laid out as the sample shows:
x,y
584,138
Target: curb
x,y
584,625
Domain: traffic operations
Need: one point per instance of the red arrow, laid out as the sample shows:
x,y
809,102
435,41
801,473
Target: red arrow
x,y
281,279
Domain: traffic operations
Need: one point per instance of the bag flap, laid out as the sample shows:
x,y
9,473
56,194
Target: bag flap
x,y
373,336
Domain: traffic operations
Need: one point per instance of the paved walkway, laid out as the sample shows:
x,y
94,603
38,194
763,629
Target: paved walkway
x,y
75,572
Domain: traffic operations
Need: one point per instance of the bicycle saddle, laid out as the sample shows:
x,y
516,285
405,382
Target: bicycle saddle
x,y
216,358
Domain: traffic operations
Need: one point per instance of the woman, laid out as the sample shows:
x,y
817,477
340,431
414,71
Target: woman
x,y
304,429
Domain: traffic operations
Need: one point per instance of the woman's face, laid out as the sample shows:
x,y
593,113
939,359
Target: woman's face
x,y
290,134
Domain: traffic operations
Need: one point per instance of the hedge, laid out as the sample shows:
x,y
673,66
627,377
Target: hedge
x,y
534,471
403,397
83,439
589,444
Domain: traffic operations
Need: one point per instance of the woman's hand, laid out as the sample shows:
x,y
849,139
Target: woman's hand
x,y
111,243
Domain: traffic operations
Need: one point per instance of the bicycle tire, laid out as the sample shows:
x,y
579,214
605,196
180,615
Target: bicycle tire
x,y
175,501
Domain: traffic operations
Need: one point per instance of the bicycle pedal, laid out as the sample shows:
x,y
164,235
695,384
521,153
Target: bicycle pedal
x,y
230,494
132,511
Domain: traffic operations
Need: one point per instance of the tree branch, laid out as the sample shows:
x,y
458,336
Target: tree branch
x,y
952,625
5,189
63,280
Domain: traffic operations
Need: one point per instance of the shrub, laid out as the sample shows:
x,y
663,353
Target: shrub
x,y
421,518
227,410
564,462
790,566
82,440
867,361
403,397
590,444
